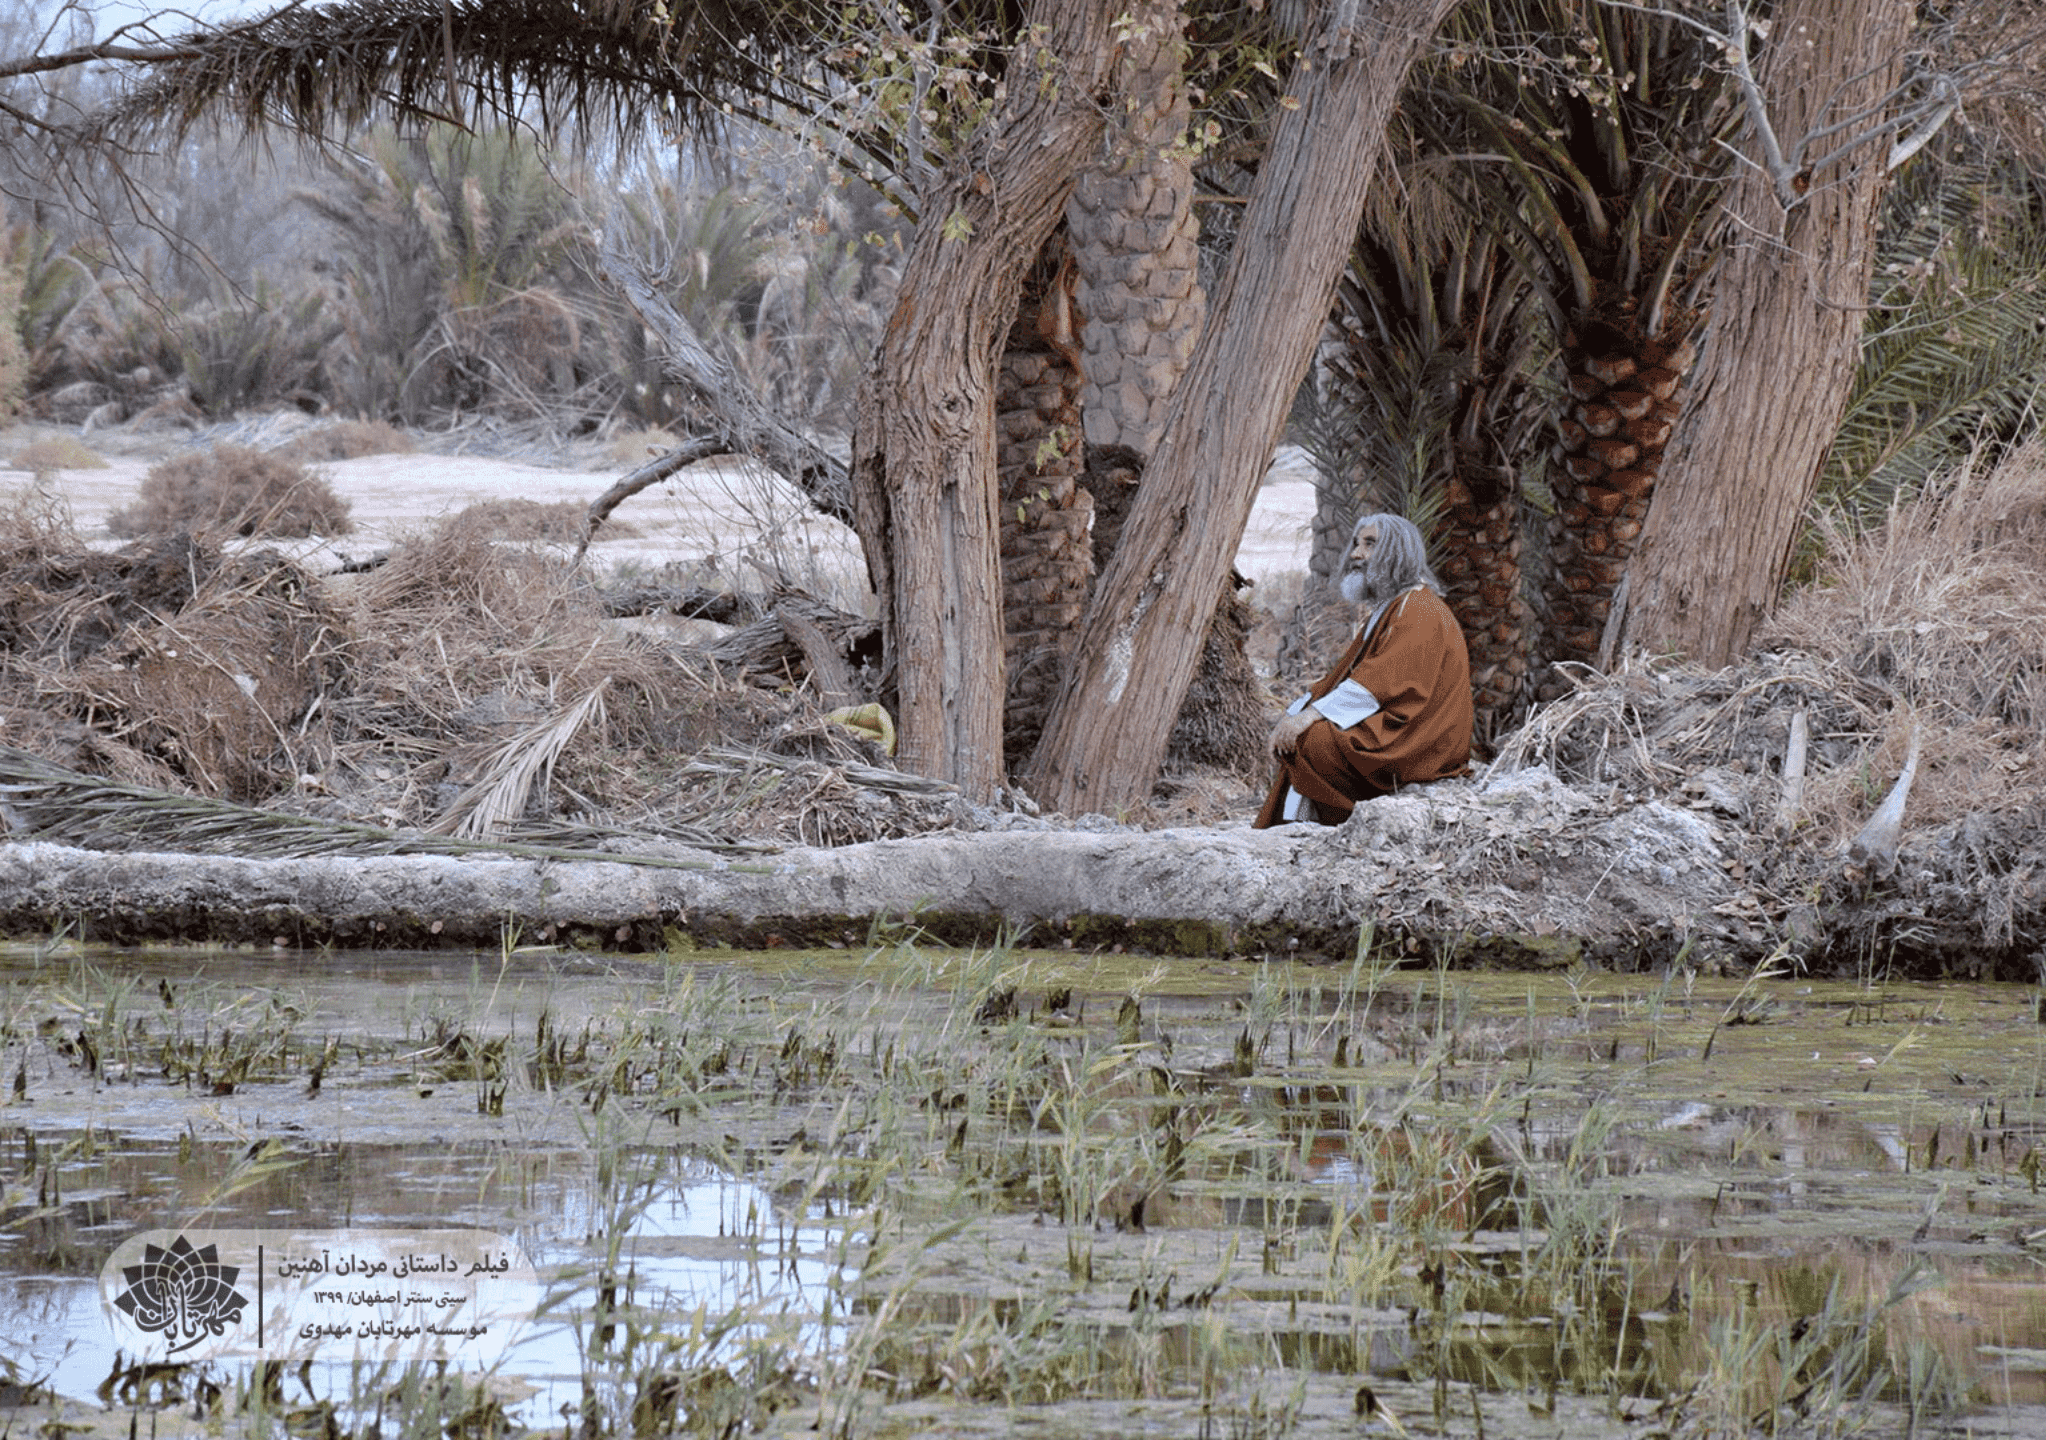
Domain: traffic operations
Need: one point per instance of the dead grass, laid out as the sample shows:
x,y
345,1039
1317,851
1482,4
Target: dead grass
x,y
466,665
558,523
1935,619
1940,617
167,659
59,452
347,440
235,490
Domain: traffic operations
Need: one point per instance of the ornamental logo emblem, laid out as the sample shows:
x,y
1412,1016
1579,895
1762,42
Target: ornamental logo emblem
x,y
185,1293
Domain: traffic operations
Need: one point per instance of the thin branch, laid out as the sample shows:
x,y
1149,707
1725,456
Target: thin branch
x,y
748,427
1782,178
652,473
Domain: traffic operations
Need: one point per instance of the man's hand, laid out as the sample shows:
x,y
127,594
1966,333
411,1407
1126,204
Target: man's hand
x,y
1286,734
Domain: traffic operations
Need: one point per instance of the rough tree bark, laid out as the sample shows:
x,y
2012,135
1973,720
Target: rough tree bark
x,y
1141,641
1778,354
1133,233
924,465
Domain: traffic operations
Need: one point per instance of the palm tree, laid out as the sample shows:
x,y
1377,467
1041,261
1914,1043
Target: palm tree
x,y
1830,108
1515,322
1428,409
1106,330
1046,512
1591,141
1954,353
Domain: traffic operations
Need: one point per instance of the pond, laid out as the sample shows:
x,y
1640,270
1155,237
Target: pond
x,y
904,1189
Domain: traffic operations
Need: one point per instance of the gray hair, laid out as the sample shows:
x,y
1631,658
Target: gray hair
x,y
1400,559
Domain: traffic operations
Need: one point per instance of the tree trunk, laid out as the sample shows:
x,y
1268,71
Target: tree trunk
x,y
1142,638
924,471
1046,562
1778,354
1134,235
1614,434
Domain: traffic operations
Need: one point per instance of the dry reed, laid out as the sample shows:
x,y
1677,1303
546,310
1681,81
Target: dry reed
x,y
1935,619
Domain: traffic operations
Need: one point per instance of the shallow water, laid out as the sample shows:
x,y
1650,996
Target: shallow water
x,y
868,1184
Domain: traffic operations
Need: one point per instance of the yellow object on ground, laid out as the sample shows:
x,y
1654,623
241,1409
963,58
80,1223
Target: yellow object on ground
x,y
869,722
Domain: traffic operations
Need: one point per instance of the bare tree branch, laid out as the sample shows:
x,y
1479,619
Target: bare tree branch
x,y
652,473
747,427
1790,171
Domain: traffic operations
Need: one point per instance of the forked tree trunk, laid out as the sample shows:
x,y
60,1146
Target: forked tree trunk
x,y
924,468
1779,352
1106,736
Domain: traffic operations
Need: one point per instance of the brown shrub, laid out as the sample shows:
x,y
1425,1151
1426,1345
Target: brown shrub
x,y
60,453
453,620
1937,617
236,489
220,690
167,661
560,522
1929,622
347,440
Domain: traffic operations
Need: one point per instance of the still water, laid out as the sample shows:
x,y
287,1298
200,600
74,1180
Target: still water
x,y
1024,1178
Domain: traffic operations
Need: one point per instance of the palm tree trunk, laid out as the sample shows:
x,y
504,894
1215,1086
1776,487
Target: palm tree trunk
x,y
1046,560
1134,237
1481,571
1614,434
1142,639
1778,355
925,482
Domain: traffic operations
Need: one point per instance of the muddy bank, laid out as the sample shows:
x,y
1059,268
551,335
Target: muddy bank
x,y
1518,870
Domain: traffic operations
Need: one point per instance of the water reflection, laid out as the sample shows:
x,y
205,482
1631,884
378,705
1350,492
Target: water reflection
x,y
660,1233
1444,1192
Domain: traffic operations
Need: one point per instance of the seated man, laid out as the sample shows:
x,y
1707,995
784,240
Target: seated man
x,y
1396,709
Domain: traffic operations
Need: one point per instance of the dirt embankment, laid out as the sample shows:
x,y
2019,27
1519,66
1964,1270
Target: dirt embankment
x,y
474,702
1519,871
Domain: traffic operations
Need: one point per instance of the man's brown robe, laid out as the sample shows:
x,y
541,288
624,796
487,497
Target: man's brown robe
x,y
1415,665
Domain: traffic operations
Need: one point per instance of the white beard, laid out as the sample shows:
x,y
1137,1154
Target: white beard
x,y
1353,588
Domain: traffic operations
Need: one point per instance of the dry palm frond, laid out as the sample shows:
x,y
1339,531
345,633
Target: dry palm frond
x,y
43,801
1933,619
327,69
515,767
835,801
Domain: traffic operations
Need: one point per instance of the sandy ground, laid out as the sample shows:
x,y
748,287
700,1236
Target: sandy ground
x,y
738,513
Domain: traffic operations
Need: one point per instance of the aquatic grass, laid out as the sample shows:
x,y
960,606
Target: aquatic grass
x,y
1088,1200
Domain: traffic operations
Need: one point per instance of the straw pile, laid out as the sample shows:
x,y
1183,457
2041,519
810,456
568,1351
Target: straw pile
x,y
470,686
1935,621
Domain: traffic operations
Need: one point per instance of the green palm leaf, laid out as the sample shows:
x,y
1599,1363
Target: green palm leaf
x,y
1956,341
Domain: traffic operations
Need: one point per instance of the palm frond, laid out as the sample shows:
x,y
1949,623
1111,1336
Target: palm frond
x,y
515,767
1956,342
618,67
41,800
